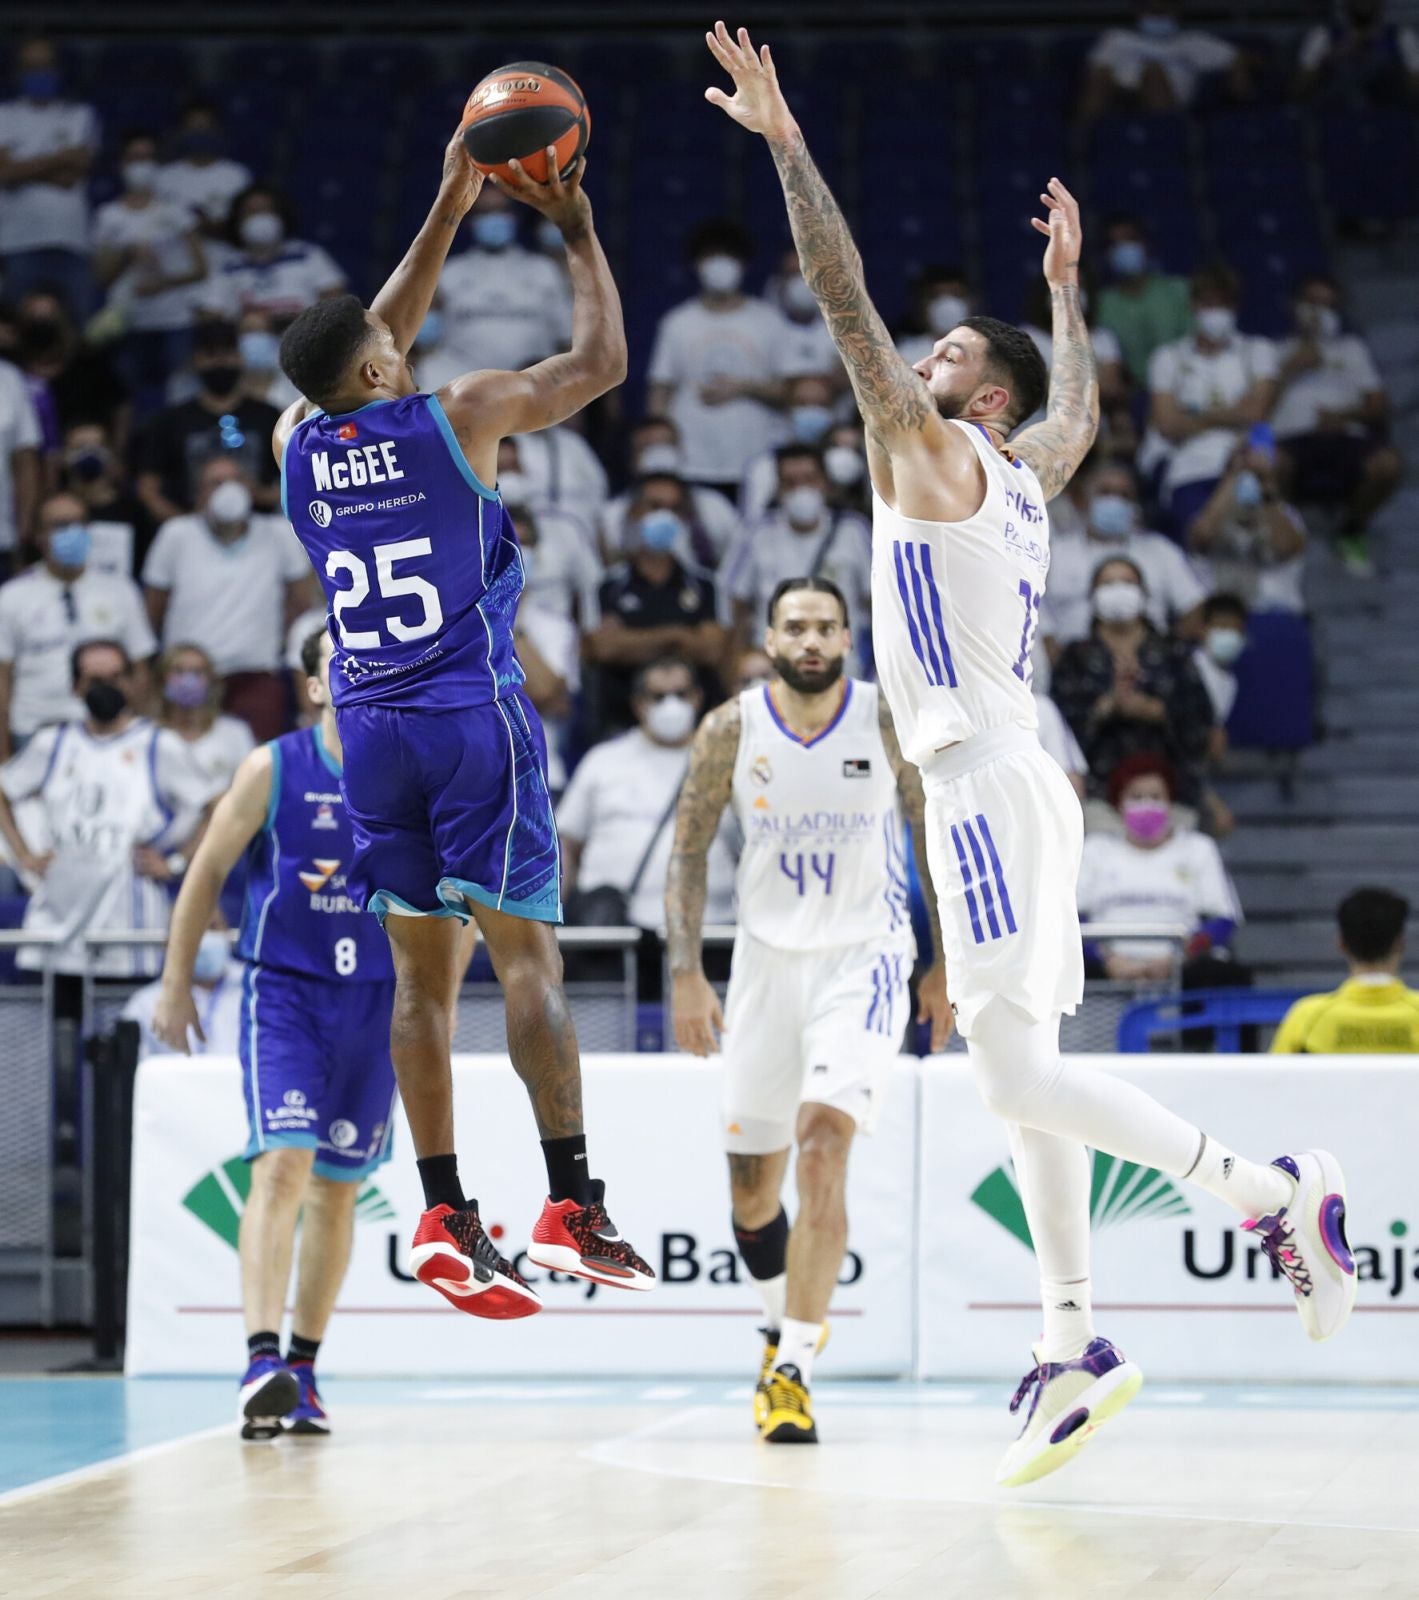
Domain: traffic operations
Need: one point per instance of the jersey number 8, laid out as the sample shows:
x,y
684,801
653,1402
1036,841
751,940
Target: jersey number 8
x,y
346,956
390,588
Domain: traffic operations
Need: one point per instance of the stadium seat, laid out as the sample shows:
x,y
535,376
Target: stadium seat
x,y
1225,1011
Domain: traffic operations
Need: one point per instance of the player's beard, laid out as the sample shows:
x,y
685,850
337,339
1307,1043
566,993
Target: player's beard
x,y
949,406
809,682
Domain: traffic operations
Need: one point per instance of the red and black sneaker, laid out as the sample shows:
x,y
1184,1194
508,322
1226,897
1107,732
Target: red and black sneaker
x,y
583,1241
453,1255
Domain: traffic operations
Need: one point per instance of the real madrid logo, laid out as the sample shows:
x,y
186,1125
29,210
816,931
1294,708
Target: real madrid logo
x,y
761,772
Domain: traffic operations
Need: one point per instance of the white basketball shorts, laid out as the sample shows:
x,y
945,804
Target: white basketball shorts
x,y
1005,832
819,1025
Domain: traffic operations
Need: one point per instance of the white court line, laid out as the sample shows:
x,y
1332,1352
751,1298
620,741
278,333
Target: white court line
x,y
98,1469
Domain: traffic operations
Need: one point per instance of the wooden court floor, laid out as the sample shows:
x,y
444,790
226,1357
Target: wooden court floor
x,y
603,1491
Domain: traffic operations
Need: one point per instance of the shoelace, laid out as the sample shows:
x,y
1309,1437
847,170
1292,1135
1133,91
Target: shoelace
x,y
1035,1376
787,1395
1279,1244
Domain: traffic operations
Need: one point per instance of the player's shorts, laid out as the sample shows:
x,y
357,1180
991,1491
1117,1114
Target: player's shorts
x,y
1004,834
819,1025
448,806
316,1070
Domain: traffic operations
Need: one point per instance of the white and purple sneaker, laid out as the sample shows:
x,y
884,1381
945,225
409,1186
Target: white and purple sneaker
x,y
1306,1242
269,1391
1071,1401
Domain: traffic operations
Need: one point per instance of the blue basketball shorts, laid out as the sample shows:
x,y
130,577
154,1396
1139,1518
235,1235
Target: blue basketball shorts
x,y
316,1070
449,805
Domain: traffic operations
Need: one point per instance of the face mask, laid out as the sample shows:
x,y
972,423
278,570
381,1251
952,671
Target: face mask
x,y
1321,322
261,230
1224,645
804,505
810,423
187,689
720,274
1216,322
260,350
515,488
41,83
549,238
1128,258
1247,491
798,299
945,312
430,331
1146,820
105,700
1120,601
229,504
670,720
494,230
660,530
219,379
40,335
89,464
660,458
843,464
1155,27
1111,516
69,546
213,953
140,175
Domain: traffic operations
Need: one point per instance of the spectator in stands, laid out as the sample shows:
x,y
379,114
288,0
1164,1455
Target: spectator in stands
x,y
1360,58
1372,1012
941,297
549,648
117,523
616,819
563,470
1207,391
651,605
200,176
268,267
711,524
1127,689
1108,353
1113,525
220,423
810,346
260,351
47,611
19,463
47,147
1248,538
120,801
1158,65
502,306
1224,637
1058,742
1154,873
845,462
69,380
751,667
216,998
810,415
718,365
148,255
191,706
1332,418
560,565
1142,308
235,578
802,536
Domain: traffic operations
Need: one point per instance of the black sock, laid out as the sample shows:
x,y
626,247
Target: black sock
x,y
764,1250
263,1344
439,1175
567,1177
302,1349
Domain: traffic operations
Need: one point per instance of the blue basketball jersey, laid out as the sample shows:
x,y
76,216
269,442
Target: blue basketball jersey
x,y
419,561
297,916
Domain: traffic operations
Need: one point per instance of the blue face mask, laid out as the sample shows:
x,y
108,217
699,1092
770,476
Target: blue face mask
x,y
1128,258
260,350
39,84
1111,516
810,423
1248,491
70,545
494,230
213,953
430,331
660,530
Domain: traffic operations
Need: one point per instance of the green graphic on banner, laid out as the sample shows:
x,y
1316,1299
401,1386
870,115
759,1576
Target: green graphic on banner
x,y
1121,1191
217,1201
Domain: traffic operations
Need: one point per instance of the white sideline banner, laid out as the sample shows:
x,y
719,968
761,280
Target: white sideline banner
x,y
654,1129
1176,1284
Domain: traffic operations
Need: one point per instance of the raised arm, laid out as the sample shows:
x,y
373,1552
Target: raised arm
x,y
1054,448
695,1008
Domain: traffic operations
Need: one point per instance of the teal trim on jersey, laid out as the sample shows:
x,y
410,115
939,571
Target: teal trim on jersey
x,y
256,1146
369,405
450,438
384,903
343,1173
323,750
285,508
274,799
528,910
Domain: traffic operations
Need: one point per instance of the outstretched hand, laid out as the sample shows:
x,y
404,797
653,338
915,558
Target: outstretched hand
x,y
560,199
758,103
1065,234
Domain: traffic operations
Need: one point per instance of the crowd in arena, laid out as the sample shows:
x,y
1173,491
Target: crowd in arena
x,y
153,585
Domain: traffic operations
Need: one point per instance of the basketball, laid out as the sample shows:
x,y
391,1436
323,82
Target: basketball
x,y
517,111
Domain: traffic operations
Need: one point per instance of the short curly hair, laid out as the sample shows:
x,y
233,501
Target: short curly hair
x,y
321,345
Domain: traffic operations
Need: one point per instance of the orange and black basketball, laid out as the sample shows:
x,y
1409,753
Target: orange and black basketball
x,y
517,111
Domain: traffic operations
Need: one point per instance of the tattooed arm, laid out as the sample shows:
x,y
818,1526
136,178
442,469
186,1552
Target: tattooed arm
x,y
933,1002
1054,448
694,1005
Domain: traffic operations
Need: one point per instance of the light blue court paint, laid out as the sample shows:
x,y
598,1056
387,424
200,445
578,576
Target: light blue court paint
x,y
50,1427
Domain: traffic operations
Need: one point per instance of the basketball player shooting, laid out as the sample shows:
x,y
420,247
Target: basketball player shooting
x,y
387,488
960,554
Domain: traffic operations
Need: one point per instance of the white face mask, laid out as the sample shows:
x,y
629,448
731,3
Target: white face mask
x,y
720,274
798,298
671,720
1224,645
1120,601
945,312
1216,322
843,464
140,175
1321,322
515,487
261,229
229,504
804,505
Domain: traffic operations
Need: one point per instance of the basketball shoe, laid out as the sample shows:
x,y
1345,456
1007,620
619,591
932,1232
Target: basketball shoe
x,y
789,1417
766,1367
309,1415
269,1391
1306,1241
453,1255
1068,1402
583,1241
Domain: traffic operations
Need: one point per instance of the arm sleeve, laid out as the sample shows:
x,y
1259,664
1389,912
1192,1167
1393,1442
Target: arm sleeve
x,y
1183,589
22,775
184,787
1264,361
295,563
1163,370
160,567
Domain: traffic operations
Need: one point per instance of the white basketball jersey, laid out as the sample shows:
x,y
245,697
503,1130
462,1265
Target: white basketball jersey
x,y
824,862
955,606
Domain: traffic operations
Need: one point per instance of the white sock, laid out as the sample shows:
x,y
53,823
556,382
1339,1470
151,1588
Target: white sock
x,y
774,1293
1055,1176
797,1345
1069,1319
1246,1186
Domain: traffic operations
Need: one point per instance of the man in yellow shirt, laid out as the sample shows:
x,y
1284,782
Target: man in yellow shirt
x,y
1372,1012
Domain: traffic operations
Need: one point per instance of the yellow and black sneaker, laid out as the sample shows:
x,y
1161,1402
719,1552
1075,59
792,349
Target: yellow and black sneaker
x,y
766,1367
790,1416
